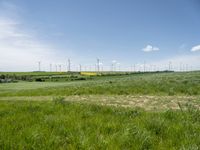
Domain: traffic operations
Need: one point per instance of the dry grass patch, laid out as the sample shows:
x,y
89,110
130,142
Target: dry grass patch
x,y
144,102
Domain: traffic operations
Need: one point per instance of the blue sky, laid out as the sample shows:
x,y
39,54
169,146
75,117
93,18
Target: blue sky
x,y
124,32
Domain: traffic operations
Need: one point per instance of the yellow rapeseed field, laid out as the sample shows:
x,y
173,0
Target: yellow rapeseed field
x,y
89,73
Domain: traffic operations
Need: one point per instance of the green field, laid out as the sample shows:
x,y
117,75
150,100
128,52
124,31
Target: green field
x,y
134,84
109,111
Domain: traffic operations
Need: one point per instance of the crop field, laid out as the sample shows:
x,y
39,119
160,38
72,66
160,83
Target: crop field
x,y
122,110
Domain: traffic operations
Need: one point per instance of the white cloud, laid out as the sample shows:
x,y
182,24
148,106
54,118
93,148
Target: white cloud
x,y
195,48
20,50
150,48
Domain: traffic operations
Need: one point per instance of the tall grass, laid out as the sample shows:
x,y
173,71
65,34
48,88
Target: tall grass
x,y
64,125
138,84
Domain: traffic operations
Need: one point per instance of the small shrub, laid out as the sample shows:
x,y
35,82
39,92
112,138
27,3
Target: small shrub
x,y
39,80
59,100
81,78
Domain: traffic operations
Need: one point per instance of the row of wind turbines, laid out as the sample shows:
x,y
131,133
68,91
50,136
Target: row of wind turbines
x,y
114,67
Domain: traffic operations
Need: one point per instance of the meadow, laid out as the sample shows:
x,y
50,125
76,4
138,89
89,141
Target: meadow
x,y
187,83
115,111
64,125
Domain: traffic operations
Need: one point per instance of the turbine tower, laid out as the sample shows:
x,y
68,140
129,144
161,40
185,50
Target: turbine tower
x,y
170,66
144,66
50,67
80,67
39,66
60,68
56,68
69,65
98,64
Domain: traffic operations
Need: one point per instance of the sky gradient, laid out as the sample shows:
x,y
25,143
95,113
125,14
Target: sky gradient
x,y
123,32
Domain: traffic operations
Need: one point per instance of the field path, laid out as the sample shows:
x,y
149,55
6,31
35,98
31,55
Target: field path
x,y
145,102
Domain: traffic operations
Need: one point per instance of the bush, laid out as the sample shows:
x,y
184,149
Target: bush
x,y
39,80
59,100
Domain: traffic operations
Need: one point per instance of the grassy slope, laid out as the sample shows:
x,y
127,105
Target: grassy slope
x,y
61,125
138,84
149,103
